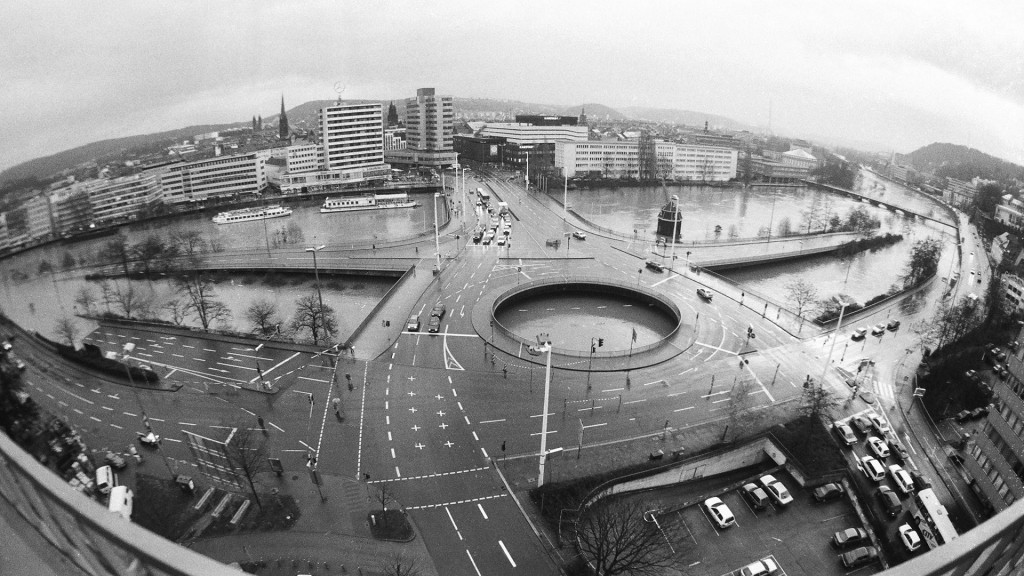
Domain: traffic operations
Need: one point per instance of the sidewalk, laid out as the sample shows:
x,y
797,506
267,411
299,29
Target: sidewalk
x,y
331,536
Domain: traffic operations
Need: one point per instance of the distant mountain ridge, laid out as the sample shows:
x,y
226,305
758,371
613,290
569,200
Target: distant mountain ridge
x,y
963,163
304,116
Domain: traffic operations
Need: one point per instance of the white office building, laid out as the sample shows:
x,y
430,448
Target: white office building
x,y
218,177
683,162
429,131
303,158
122,199
523,133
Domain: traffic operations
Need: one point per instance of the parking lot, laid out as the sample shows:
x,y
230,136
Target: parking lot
x,y
797,536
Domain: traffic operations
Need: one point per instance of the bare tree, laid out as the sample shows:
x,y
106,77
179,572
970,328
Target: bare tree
x,y
321,324
68,262
148,252
66,329
802,294
616,538
107,293
741,402
129,298
116,251
384,496
263,315
200,299
953,322
85,298
247,454
399,565
176,308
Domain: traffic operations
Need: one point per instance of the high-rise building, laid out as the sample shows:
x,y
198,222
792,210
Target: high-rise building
x,y
430,127
351,151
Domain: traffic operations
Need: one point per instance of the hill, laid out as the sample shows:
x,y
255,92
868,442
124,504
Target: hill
x,y
687,117
962,163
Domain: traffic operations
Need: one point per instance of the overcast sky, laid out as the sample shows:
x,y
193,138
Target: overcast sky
x,y
889,75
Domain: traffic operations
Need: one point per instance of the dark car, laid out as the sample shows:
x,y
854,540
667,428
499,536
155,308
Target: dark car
x,y
849,537
434,325
893,325
755,495
830,491
963,416
654,266
861,424
859,557
920,482
890,501
438,310
114,459
897,450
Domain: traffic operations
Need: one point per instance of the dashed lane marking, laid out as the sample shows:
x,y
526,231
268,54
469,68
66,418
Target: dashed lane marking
x,y
453,503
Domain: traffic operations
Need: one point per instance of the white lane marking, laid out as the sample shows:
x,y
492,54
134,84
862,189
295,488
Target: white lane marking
x,y
596,425
130,414
275,366
314,379
484,514
473,562
493,421
454,525
116,426
95,418
507,555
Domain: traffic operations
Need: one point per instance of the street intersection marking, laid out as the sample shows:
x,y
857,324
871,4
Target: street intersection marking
x,y
450,363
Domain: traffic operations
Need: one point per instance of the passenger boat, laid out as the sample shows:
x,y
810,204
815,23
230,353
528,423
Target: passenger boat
x,y
255,213
367,202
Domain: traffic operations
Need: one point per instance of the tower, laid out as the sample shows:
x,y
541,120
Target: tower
x,y
282,129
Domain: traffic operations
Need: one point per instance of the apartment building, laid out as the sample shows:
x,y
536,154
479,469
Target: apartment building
x,y
218,177
608,159
121,199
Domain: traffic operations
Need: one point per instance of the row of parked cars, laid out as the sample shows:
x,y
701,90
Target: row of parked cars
x,y
876,330
766,489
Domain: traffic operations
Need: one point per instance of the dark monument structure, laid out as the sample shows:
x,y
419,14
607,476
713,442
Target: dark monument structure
x,y
670,220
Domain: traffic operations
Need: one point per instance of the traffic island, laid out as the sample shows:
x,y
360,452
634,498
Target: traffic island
x,y
390,525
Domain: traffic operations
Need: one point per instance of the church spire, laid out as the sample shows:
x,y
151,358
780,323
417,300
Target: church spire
x,y
283,124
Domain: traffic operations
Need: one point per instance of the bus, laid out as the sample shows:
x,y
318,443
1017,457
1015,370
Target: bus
x,y
932,519
485,196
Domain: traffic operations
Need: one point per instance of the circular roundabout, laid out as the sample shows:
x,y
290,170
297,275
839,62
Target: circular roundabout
x,y
592,323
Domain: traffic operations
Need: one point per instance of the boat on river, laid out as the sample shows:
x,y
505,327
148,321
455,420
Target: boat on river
x,y
248,214
367,202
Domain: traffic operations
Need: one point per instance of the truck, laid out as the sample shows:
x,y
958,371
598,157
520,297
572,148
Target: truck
x,y
502,208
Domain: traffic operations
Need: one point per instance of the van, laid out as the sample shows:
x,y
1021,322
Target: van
x,y
121,501
105,479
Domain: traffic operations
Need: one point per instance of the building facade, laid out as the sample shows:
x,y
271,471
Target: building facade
x,y
219,177
683,162
1012,288
1010,212
121,199
429,132
352,136
303,158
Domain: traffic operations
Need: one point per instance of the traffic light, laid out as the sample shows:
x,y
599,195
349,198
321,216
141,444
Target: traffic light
x,y
600,342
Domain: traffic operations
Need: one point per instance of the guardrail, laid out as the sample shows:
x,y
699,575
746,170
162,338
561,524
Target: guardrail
x,y
583,281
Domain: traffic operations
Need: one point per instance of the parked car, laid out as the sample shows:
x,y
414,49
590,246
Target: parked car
x,y
901,478
871,468
579,235
413,325
963,416
757,497
909,537
152,440
878,447
657,267
762,567
438,310
859,333
776,490
845,434
890,501
878,330
878,422
830,491
114,459
705,294
849,537
719,512
897,450
105,479
862,424
972,375
859,557
893,325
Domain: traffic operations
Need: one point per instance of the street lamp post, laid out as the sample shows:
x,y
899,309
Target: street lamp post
x,y
842,308
565,199
316,273
437,238
545,347
771,222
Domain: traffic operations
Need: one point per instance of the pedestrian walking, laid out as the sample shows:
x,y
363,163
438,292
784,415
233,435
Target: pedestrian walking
x,y
337,406
504,370
263,426
417,249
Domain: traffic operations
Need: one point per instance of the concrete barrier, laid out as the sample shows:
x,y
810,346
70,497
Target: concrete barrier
x,y
202,501
241,512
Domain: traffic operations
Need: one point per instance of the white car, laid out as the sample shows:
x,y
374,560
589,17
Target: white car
x,y
579,235
859,333
879,423
901,478
871,468
762,567
719,512
878,446
776,490
878,330
911,541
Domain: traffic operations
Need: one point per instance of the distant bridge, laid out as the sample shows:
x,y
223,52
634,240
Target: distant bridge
x,y
880,203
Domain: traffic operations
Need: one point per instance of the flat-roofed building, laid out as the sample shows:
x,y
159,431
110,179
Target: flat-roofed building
x,y
219,177
800,158
303,158
122,199
40,217
429,132
682,162
1010,211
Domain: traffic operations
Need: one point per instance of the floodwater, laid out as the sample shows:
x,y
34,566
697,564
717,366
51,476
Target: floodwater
x,y
574,320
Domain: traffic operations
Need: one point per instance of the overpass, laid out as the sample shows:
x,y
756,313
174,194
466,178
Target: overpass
x,y
879,203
